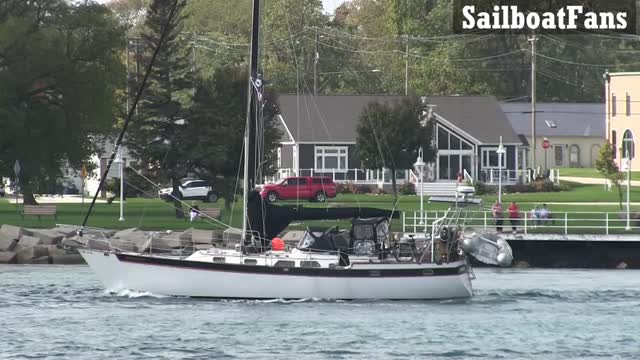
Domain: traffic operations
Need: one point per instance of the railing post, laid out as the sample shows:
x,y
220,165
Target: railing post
x,y
525,223
355,172
565,223
606,223
404,220
485,219
414,222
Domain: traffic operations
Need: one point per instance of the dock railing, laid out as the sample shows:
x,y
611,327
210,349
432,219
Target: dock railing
x,y
576,222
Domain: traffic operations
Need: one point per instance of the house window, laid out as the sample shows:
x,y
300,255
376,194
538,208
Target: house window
x,y
559,154
331,158
628,146
279,157
449,141
490,158
614,141
574,155
613,105
628,104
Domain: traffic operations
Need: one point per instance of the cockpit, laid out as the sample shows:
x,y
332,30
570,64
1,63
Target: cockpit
x,y
365,238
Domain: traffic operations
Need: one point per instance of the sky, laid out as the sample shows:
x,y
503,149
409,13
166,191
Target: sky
x,y
329,5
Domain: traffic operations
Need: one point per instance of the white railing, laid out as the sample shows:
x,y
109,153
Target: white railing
x,y
579,222
361,176
491,176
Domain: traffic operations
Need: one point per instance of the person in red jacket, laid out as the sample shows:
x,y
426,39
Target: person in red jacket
x,y
513,216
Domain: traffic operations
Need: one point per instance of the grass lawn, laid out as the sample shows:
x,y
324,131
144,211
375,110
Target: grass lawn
x,y
154,214
591,172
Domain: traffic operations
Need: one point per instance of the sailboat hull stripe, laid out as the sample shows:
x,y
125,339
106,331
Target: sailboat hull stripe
x,y
291,271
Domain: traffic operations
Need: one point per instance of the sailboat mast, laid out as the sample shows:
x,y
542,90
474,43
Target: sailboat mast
x,y
253,88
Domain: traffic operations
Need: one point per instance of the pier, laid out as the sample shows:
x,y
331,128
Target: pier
x,y
578,239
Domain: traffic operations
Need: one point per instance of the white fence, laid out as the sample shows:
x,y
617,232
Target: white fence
x,y
361,176
580,222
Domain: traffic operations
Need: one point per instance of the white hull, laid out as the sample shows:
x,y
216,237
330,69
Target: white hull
x,y
163,279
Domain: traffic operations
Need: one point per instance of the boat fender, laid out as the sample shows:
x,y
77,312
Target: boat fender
x,y
277,244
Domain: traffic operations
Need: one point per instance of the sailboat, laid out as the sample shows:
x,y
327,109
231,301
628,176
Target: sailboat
x,y
363,262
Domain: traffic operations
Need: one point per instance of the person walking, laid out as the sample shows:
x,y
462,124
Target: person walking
x,y
514,216
496,210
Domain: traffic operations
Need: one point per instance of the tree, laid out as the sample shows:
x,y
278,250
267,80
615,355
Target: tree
x,y
606,165
217,129
59,69
157,135
389,135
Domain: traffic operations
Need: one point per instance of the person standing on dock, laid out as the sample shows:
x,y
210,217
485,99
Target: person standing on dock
x,y
513,216
496,209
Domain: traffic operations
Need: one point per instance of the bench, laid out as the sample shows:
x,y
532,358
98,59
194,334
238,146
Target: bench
x,y
213,213
40,210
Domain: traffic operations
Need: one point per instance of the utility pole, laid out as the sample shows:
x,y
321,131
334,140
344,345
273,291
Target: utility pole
x,y
128,78
194,66
315,64
533,40
406,65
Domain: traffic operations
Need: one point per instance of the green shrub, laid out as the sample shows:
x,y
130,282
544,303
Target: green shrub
x,y
407,188
345,188
482,188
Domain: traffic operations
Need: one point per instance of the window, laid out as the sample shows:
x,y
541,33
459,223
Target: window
x,y
559,154
279,163
628,104
285,264
574,155
322,181
296,181
613,105
490,158
628,146
449,141
331,158
614,142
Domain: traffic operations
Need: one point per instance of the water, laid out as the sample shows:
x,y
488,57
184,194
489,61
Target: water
x,y
64,313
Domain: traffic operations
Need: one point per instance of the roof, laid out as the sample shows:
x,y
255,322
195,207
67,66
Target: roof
x,y
570,119
325,118
479,116
333,118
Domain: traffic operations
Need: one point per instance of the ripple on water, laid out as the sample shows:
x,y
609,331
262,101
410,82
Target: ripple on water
x,y
65,313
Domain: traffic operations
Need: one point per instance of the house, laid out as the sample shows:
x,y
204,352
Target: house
x,y
622,116
575,131
320,139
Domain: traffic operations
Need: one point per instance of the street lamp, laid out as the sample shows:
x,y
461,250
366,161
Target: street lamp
x,y
500,153
628,142
419,166
119,160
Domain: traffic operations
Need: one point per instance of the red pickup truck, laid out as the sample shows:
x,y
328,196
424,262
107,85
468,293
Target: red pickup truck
x,y
313,188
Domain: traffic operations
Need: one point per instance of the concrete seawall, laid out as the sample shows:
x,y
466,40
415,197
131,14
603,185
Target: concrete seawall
x,y
575,251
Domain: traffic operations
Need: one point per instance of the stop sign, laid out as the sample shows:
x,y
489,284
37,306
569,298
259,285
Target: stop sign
x,y
546,144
